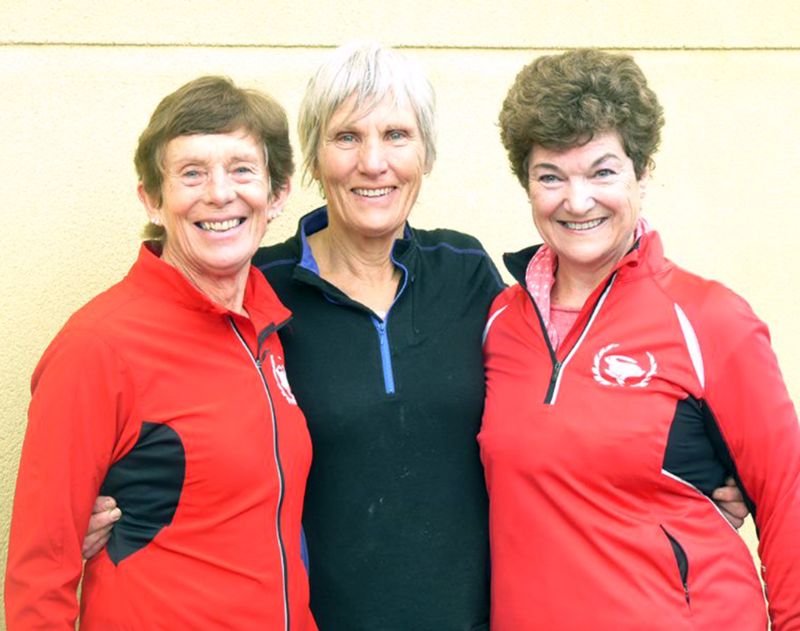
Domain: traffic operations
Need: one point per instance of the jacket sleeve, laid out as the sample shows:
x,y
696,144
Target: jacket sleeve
x,y
750,403
79,401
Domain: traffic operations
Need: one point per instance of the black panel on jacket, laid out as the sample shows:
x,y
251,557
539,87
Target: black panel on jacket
x,y
690,454
723,453
147,484
696,451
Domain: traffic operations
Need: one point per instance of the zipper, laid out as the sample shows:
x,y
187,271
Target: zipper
x,y
683,563
258,362
381,327
558,366
336,296
554,379
386,354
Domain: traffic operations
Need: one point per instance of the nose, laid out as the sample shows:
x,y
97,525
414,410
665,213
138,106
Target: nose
x,y
372,158
579,197
219,188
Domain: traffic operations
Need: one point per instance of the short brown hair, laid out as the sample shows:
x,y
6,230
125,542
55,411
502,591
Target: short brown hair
x,y
562,101
213,105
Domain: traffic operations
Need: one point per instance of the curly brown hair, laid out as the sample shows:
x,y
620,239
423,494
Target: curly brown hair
x,y
563,101
212,105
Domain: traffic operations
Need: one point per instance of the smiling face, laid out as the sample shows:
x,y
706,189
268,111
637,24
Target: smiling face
x,y
371,164
586,202
215,204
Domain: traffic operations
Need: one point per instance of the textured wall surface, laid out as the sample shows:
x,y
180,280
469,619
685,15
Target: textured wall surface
x,y
81,81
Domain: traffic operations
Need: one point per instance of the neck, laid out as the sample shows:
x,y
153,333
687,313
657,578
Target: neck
x,y
572,288
575,283
360,267
339,253
226,291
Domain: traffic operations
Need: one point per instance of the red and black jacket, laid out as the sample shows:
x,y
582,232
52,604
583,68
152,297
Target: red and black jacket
x,y
182,411
600,457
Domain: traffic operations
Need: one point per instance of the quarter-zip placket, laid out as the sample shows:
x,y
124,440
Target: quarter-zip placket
x,y
386,353
381,326
560,365
258,363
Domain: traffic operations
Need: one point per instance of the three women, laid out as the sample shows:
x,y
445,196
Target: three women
x,y
384,357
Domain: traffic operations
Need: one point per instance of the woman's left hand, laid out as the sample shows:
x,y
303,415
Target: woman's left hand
x,y
730,501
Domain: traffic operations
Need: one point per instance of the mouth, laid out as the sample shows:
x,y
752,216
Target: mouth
x,y
580,226
220,226
373,192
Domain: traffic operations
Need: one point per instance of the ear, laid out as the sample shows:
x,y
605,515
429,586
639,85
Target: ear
x,y
278,200
153,211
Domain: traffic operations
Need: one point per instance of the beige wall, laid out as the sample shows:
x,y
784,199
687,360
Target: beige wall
x,y
79,85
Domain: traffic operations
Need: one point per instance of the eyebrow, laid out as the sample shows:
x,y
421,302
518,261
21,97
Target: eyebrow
x,y
600,160
238,157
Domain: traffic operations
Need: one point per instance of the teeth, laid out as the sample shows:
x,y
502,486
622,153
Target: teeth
x,y
583,225
220,226
372,192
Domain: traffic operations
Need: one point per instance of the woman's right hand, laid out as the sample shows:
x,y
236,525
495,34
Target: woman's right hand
x,y
104,514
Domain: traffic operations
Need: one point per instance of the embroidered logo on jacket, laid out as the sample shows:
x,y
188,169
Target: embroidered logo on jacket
x,y
279,370
621,370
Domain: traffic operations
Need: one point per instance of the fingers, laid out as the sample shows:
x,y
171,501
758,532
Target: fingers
x,y
731,502
737,509
94,543
728,493
100,525
103,503
732,518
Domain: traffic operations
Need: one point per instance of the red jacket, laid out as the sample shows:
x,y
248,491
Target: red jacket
x,y
599,459
182,411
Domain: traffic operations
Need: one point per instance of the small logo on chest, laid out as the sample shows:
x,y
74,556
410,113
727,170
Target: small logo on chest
x,y
279,371
614,369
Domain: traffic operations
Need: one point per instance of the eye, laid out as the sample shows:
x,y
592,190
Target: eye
x,y
346,138
244,173
192,176
397,135
548,178
603,173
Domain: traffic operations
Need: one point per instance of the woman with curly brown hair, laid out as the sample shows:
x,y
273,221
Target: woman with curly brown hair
x,y
622,389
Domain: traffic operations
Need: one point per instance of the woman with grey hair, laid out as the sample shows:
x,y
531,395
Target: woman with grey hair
x,y
384,357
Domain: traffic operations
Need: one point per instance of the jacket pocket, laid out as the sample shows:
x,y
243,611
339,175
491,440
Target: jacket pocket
x,y
683,563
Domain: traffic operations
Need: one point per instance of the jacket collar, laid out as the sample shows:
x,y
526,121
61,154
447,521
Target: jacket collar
x,y
517,262
156,277
645,257
307,271
317,219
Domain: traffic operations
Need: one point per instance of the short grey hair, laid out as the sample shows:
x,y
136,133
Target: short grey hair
x,y
371,72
